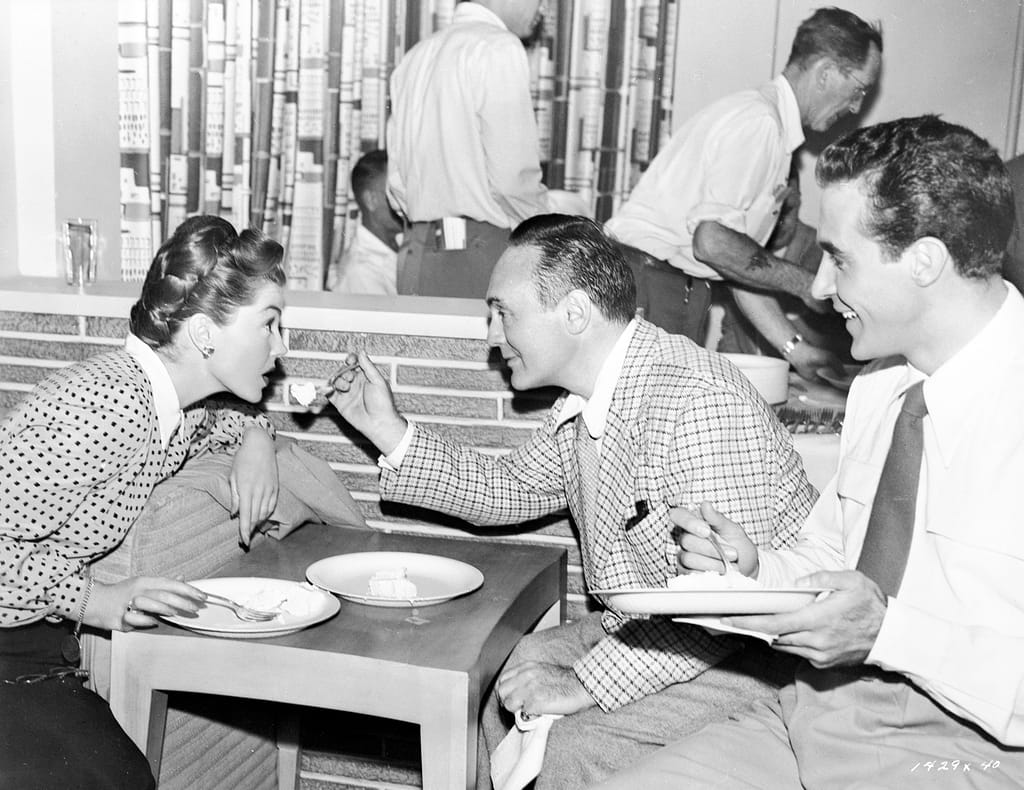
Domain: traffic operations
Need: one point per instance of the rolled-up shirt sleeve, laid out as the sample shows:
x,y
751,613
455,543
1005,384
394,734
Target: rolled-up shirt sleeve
x,y
740,174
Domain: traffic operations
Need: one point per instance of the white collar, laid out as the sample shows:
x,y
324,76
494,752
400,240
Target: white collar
x,y
165,397
595,409
789,113
372,242
474,12
956,387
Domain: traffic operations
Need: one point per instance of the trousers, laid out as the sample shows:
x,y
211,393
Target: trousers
x,y
853,728
56,733
669,297
587,746
427,268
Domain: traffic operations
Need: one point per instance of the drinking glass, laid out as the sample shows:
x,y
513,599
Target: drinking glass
x,y
80,242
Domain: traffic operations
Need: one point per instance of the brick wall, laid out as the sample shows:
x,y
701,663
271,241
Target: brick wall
x,y
452,385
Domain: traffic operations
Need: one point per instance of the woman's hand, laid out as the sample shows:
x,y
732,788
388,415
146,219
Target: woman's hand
x,y
135,602
254,482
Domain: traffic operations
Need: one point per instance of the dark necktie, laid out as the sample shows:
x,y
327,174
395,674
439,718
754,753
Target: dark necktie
x,y
891,525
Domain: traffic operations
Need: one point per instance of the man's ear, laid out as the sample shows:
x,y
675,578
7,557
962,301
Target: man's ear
x,y
928,259
821,71
370,200
578,311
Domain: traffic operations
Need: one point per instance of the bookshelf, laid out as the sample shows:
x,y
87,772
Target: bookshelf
x,y
257,109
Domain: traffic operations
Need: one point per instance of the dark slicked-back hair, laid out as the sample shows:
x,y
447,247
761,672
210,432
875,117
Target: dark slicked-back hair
x,y
837,34
371,166
926,177
204,267
575,252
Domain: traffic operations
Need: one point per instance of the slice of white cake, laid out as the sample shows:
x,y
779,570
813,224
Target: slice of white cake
x,y
304,394
309,395
392,583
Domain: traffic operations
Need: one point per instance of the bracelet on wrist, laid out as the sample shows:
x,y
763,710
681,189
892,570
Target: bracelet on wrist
x,y
791,344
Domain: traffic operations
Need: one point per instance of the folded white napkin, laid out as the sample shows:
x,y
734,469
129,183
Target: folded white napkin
x,y
520,755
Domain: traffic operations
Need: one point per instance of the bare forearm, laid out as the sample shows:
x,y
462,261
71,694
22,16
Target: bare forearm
x,y
766,316
739,258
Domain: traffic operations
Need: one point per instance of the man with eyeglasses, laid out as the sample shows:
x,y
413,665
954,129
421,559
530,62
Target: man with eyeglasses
x,y
705,208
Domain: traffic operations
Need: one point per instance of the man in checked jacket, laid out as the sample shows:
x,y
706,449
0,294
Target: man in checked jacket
x,y
671,424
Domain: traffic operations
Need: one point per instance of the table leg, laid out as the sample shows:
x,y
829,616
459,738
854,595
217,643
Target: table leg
x,y
288,727
448,739
140,709
551,618
157,728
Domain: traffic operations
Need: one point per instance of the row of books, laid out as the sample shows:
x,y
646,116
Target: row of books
x,y
257,110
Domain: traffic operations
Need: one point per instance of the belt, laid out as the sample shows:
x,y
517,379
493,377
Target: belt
x,y
660,265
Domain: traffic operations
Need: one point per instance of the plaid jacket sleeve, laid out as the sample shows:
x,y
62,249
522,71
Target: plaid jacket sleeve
x,y
436,473
715,445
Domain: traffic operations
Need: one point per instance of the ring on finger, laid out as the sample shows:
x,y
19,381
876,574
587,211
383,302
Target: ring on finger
x,y
131,607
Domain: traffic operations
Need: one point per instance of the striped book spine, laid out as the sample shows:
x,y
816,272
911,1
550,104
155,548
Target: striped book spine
x,y
247,25
216,27
666,74
195,121
134,132
306,250
262,108
227,171
330,229
177,160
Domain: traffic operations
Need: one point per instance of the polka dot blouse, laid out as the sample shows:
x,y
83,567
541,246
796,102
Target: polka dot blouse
x,y
79,458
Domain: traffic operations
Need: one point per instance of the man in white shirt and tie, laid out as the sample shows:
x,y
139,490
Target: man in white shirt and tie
x,y
914,665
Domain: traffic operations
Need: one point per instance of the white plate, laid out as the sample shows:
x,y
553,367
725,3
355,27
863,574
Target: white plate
x,y
660,600
301,606
849,372
437,579
714,626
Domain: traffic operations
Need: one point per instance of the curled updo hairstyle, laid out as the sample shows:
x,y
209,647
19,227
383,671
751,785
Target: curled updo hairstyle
x,y
205,267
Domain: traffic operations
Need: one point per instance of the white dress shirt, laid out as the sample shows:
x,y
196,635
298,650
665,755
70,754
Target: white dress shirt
x,y
729,163
956,626
462,137
595,408
367,266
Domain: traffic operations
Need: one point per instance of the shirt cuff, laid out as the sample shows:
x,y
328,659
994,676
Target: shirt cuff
x,y
394,459
67,596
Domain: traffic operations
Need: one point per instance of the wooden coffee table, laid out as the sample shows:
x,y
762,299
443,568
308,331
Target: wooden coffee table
x,y
430,665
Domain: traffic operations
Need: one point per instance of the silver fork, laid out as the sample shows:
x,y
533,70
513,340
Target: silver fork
x,y
241,612
726,568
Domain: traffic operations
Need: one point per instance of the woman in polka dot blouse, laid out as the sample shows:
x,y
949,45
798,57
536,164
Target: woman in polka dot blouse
x,y
80,457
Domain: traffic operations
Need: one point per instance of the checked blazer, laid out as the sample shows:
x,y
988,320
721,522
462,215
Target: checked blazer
x,y
684,426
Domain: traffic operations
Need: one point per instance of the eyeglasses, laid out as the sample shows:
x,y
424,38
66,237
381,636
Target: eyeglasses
x,y
862,87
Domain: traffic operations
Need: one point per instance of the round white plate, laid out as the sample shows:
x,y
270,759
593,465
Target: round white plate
x,y
300,605
660,600
437,579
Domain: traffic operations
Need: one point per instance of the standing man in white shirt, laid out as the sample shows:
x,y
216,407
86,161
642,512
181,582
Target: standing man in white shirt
x,y
709,201
915,660
462,138
369,262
